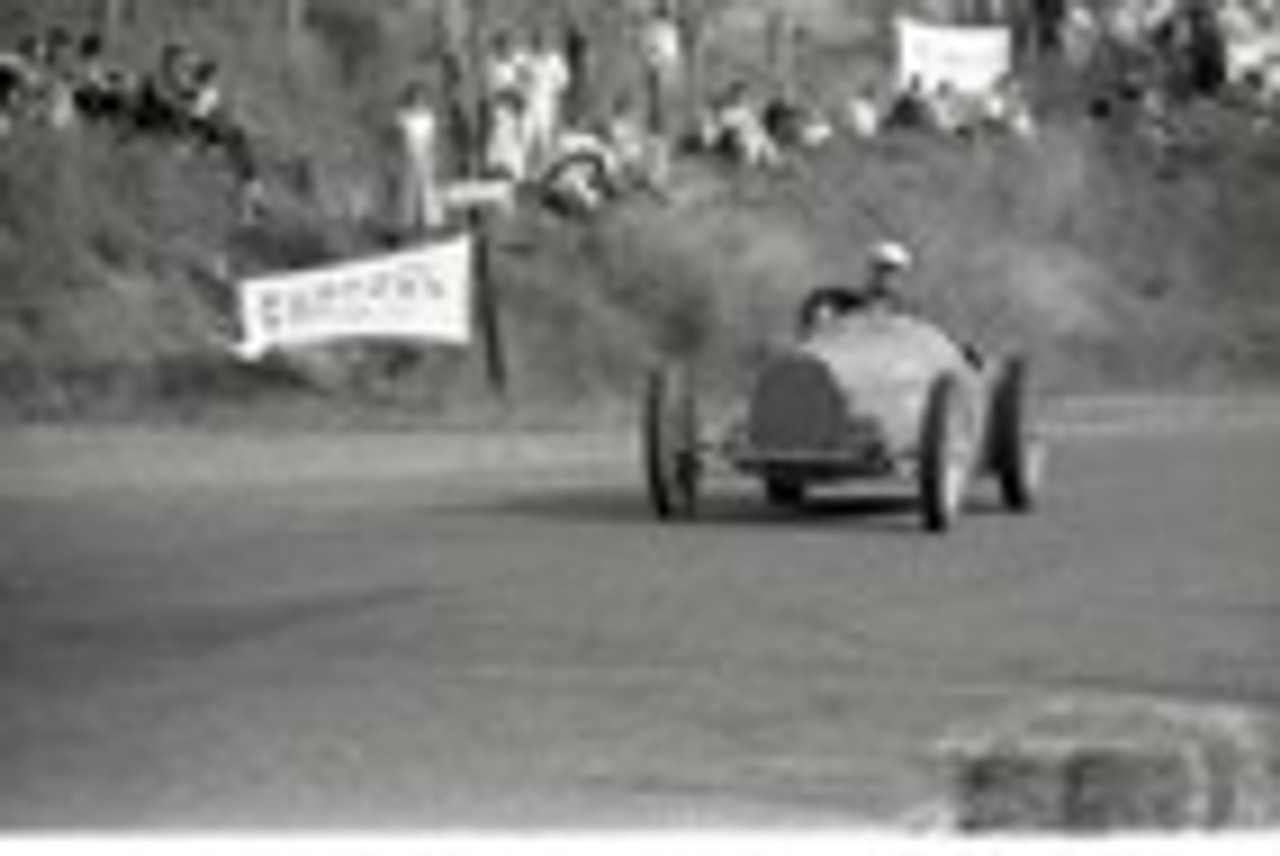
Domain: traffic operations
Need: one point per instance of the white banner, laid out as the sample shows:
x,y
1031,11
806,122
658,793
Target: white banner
x,y
423,294
968,59
1259,54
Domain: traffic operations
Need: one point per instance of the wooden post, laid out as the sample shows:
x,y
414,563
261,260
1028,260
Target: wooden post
x,y
488,293
489,306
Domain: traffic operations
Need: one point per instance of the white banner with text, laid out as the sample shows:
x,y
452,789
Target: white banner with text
x,y
968,59
423,294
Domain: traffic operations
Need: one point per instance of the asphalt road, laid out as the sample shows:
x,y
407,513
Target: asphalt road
x,y
414,633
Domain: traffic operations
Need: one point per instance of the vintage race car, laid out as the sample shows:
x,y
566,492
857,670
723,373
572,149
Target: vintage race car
x,y
870,394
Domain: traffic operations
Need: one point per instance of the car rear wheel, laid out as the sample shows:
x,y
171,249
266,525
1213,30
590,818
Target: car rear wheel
x,y
945,456
1018,457
671,444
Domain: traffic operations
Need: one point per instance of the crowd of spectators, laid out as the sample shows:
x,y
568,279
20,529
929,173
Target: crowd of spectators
x,y
580,164
1004,109
525,88
541,134
59,80
1186,51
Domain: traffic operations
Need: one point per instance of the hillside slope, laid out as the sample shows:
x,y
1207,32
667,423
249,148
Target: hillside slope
x,y
118,256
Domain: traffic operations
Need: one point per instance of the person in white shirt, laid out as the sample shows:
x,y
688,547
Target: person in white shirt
x,y
505,68
546,82
739,130
507,84
423,209
1081,35
663,54
507,153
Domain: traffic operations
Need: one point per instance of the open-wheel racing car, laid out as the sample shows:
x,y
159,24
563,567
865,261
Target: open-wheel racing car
x,y
869,394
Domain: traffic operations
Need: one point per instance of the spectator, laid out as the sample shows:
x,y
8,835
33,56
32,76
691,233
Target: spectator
x,y
164,93
52,98
182,99
422,208
547,79
663,56
865,114
792,123
102,93
1206,47
204,99
644,159
505,68
910,108
17,82
461,153
507,154
737,130
1081,34
507,98
951,112
584,174
1047,20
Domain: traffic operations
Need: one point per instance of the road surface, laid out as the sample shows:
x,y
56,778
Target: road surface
x,y
265,632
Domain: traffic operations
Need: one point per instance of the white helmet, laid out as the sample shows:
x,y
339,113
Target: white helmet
x,y
892,255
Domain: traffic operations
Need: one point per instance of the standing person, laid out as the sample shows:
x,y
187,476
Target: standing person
x,y
55,95
461,150
1050,16
1207,49
507,109
507,152
422,207
663,55
547,81
506,68
1081,35
19,79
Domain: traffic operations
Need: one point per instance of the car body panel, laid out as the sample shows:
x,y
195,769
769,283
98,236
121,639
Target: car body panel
x,y
849,399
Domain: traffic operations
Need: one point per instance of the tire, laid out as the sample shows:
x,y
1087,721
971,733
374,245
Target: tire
x,y
944,457
671,445
1017,457
785,494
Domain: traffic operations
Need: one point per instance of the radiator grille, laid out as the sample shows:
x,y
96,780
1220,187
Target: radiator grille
x,y
798,409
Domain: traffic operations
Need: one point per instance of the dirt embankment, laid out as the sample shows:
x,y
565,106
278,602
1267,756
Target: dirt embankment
x,y
1115,265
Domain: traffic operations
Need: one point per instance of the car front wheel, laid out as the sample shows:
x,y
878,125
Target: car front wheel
x,y
1017,456
945,456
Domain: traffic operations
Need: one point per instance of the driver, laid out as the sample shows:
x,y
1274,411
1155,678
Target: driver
x,y
889,262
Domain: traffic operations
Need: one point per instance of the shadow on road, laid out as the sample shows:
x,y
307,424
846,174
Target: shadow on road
x,y
884,512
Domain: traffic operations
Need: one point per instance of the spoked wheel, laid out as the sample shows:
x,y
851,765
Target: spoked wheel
x,y
671,444
1017,456
945,456
785,493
